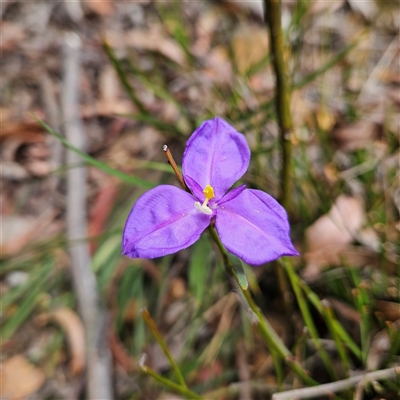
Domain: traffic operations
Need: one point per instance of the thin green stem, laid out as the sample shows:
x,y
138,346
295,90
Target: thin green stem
x,y
282,105
305,312
329,318
268,333
184,391
282,97
316,302
160,340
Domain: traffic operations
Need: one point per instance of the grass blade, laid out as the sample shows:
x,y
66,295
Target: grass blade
x,y
98,164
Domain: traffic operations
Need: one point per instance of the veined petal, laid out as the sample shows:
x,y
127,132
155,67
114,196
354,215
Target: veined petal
x,y
232,194
217,155
163,221
196,189
254,227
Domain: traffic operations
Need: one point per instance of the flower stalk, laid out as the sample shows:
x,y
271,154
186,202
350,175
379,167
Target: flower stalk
x,y
268,333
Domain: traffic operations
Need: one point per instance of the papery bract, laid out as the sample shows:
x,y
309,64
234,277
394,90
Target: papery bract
x,y
251,224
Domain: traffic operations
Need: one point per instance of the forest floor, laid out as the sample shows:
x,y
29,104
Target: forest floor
x,y
148,73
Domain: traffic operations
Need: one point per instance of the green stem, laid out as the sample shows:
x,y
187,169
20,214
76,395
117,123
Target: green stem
x,y
316,302
329,318
160,340
184,391
305,312
268,333
282,100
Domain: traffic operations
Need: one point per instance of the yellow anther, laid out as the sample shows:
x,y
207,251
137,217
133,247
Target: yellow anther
x,y
209,192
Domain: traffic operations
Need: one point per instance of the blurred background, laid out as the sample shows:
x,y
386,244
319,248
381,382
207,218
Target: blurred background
x,y
118,80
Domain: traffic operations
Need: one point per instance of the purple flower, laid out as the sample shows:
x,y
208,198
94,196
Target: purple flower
x,y
250,223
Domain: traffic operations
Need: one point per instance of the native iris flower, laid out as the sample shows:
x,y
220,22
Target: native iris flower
x,y
250,223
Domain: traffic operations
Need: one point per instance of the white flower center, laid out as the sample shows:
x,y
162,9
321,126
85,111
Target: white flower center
x,y
209,192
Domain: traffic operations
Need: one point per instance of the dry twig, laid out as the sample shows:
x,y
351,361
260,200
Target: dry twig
x,y
97,351
329,388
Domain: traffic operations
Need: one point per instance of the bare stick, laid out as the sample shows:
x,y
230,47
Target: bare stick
x,y
172,163
329,388
97,352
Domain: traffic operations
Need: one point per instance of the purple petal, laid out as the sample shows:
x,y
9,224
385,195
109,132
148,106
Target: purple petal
x,y
163,221
254,227
232,194
217,155
196,189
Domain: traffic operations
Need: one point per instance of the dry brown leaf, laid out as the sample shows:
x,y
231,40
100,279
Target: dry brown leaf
x,y
378,350
12,34
19,378
177,288
368,9
390,309
255,6
22,230
219,67
74,330
156,39
332,232
349,137
319,6
250,45
205,27
103,7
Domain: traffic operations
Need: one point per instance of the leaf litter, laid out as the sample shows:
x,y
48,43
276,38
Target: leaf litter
x,y
347,114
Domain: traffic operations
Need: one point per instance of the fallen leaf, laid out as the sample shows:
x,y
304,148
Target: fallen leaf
x,y
378,350
155,39
103,7
250,45
25,144
390,309
74,330
206,24
368,9
19,378
219,67
177,288
12,34
255,7
323,6
23,230
332,233
100,211
358,135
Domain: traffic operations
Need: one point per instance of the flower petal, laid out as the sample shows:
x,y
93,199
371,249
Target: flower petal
x,y
254,227
163,221
217,155
196,189
232,194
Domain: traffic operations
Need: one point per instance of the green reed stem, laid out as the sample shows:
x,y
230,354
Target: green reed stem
x,y
282,96
329,318
184,391
316,302
160,340
267,332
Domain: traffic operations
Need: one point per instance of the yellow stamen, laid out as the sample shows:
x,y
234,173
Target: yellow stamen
x,y
209,192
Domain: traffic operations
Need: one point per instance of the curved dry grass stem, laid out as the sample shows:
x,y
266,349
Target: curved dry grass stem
x,y
329,388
